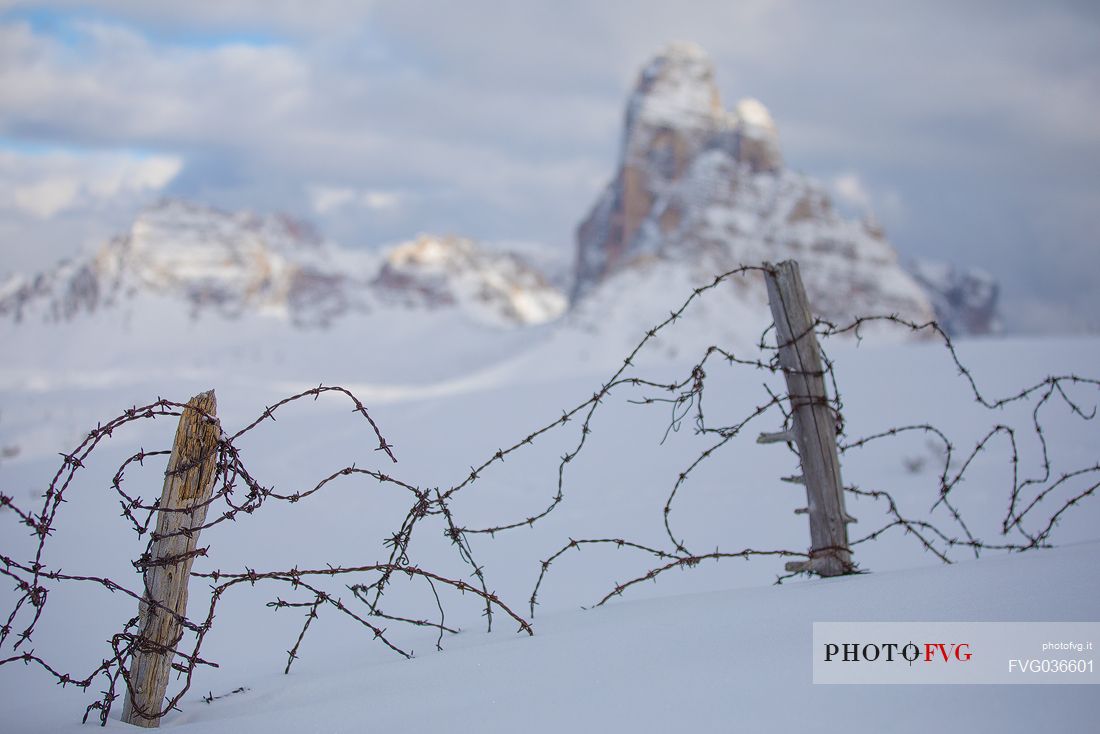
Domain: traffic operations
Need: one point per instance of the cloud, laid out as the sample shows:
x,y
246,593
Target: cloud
x,y
326,199
501,120
855,196
56,203
45,198
43,185
380,200
118,89
283,112
849,189
329,199
173,17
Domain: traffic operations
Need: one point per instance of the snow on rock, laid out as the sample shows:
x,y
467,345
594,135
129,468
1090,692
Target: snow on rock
x,y
238,263
213,260
965,299
701,185
498,288
755,115
676,90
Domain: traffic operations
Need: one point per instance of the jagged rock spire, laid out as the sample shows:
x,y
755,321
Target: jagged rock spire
x,y
673,116
706,188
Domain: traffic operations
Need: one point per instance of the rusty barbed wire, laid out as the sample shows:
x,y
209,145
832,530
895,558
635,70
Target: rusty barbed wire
x,y
233,479
237,491
686,400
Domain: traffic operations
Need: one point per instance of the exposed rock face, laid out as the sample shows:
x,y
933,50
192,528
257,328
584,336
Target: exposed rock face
x,y
673,116
706,185
965,300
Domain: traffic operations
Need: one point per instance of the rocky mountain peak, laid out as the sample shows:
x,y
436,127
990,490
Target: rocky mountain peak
x,y
703,186
674,118
675,112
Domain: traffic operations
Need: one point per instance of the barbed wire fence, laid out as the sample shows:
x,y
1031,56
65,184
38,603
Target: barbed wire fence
x,y
1035,504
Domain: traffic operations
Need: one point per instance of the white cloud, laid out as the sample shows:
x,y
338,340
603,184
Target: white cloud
x,y
120,90
45,198
381,200
326,200
44,185
856,196
849,188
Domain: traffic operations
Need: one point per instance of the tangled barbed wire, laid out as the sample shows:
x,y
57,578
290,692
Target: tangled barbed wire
x,y
232,479
237,491
686,400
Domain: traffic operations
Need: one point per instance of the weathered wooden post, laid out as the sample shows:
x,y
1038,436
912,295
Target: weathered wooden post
x,y
814,429
188,483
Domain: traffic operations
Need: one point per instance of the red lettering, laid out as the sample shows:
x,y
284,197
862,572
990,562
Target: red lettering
x,y
930,651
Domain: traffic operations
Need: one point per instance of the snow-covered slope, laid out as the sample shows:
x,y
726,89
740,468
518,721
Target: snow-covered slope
x,y
716,640
701,663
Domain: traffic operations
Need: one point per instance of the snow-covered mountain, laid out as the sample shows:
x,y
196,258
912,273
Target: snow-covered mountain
x,y
707,187
229,262
238,263
702,189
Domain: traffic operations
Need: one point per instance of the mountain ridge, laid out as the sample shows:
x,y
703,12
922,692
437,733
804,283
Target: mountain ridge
x,y
699,189
230,263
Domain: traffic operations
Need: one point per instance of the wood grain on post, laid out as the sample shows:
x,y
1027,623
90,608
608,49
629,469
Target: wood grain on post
x,y
814,430
188,483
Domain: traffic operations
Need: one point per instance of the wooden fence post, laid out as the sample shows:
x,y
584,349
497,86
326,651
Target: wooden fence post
x,y
188,483
814,429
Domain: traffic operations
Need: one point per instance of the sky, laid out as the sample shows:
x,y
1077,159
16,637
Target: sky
x,y
969,129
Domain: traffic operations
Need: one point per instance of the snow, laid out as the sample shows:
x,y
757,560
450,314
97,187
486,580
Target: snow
x,y
11,284
731,660
708,188
538,308
425,252
244,264
677,90
492,287
753,113
715,647
706,649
